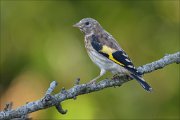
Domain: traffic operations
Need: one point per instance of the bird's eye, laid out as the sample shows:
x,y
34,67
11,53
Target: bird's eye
x,y
86,23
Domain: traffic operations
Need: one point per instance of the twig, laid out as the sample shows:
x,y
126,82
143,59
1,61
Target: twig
x,y
78,89
8,107
51,88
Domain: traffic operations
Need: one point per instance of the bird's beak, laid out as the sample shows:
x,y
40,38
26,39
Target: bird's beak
x,y
77,25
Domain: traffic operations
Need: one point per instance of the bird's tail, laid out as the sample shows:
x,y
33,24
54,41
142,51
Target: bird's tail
x,y
142,82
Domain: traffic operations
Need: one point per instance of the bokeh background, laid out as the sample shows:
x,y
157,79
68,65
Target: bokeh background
x,y
39,45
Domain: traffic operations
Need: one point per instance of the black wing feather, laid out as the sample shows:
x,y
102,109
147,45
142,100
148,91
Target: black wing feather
x,y
123,58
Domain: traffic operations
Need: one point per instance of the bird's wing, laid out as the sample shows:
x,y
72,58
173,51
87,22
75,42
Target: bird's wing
x,y
111,50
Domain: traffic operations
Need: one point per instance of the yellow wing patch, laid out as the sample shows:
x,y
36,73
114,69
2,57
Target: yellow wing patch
x,y
109,51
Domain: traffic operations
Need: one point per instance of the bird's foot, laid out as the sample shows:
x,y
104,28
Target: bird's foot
x,y
92,81
116,76
121,76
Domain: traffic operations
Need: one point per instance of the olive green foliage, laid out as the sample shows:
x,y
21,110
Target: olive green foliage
x,y
37,39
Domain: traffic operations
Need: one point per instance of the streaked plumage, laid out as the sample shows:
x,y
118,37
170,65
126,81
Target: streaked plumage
x,y
106,53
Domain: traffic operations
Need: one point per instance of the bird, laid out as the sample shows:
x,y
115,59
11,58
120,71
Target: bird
x,y
106,53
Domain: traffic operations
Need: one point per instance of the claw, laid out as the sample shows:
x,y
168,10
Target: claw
x,y
116,76
92,81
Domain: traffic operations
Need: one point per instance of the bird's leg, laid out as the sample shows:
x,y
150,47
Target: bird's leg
x,y
96,78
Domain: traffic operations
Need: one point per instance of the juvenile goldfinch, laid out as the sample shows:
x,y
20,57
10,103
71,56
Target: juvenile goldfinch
x,y
106,53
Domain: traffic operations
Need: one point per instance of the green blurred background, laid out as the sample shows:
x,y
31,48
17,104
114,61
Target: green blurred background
x,y
39,45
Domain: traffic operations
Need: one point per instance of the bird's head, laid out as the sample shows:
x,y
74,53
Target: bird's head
x,y
88,26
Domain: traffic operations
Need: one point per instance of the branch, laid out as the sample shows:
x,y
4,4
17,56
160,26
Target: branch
x,y
78,89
